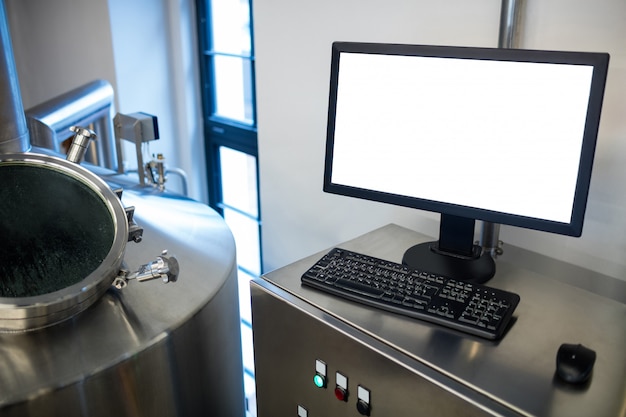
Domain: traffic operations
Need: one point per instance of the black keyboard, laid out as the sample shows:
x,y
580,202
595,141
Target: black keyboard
x,y
472,308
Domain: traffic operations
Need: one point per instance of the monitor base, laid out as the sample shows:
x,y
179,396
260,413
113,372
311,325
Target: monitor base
x,y
427,257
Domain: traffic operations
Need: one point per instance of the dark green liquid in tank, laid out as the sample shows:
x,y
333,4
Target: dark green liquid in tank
x,y
54,230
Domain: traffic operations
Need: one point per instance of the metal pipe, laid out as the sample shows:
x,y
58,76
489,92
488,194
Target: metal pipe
x,y
490,239
183,178
14,135
89,105
510,15
510,20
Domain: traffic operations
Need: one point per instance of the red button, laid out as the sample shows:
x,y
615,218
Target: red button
x,y
341,394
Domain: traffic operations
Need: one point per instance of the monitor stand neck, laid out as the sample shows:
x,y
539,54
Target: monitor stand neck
x,y
454,255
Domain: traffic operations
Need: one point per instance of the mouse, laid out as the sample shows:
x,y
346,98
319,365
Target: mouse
x,y
574,363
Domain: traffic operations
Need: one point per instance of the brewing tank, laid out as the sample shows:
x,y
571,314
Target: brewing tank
x,y
86,328
148,349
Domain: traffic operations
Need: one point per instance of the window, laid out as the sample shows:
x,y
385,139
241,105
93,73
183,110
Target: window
x,y
227,71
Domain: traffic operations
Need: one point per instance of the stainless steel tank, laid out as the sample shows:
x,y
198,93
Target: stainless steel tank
x,y
78,335
148,349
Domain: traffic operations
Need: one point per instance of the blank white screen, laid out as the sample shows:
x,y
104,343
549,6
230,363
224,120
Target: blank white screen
x,y
494,135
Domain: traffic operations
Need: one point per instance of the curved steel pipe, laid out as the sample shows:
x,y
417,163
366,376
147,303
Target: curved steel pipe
x,y
89,105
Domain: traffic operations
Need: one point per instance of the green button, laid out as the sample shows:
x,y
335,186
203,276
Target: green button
x,y
319,381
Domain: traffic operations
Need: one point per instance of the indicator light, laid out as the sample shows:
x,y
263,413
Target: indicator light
x,y
341,389
320,374
341,394
319,381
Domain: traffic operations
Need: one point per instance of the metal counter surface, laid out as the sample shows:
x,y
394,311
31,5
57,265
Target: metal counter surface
x,y
150,349
519,370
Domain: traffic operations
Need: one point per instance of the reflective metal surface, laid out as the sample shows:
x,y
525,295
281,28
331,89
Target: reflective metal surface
x,y
510,17
515,376
149,349
89,105
14,135
170,351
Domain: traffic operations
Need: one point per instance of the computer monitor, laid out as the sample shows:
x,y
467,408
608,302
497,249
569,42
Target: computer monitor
x,y
501,135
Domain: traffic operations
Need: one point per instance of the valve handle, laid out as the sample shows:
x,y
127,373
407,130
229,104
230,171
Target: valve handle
x,y
164,267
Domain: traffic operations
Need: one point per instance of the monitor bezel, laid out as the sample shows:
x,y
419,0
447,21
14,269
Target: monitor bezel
x,y
599,62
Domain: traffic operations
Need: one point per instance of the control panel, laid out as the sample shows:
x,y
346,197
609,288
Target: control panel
x,y
309,364
340,390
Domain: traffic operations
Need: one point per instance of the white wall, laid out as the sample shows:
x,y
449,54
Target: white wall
x,y
292,40
59,45
145,48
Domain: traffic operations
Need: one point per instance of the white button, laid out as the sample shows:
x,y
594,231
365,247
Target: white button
x,y
302,411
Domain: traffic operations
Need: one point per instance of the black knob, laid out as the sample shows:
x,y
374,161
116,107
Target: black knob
x,y
363,408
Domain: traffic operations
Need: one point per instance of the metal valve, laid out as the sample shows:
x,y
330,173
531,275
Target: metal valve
x,y
164,267
79,145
